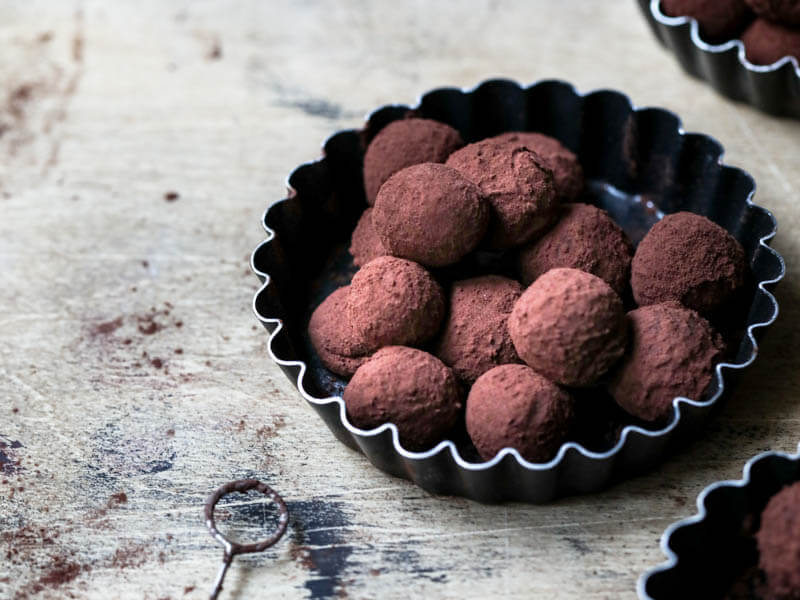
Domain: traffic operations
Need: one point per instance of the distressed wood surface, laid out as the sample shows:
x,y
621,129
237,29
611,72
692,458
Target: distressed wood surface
x,y
139,144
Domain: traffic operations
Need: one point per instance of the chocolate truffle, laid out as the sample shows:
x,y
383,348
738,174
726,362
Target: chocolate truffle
x,y
567,170
686,257
407,387
475,336
672,352
393,302
518,186
404,143
332,335
766,43
719,20
569,326
431,214
779,543
786,12
584,238
364,242
512,406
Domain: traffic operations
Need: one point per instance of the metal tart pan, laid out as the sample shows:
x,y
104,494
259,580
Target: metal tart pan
x,y
639,165
774,89
709,551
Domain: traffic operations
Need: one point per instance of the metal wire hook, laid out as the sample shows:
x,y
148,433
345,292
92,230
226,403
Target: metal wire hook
x,y
234,548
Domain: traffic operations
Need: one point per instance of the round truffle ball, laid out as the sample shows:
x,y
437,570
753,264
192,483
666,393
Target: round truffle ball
x,y
719,20
431,214
332,335
512,406
393,302
672,352
404,143
569,326
687,258
786,12
516,183
407,387
475,336
364,242
766,43
779,543
567,170
584,238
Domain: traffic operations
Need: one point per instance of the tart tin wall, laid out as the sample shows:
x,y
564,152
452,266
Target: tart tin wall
x,y
639,165
774,89
707,552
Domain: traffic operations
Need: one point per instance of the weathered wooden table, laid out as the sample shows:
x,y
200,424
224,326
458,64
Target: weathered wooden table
x,y
139,145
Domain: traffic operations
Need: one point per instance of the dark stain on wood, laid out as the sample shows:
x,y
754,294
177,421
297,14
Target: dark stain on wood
x,y
116,455
319,544
10,461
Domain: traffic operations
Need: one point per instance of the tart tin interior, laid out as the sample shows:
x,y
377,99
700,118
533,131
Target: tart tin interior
x,y
639,165
774,89
714,548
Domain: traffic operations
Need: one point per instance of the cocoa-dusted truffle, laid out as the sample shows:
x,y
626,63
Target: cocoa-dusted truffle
x,y
404,143
766,43
672,352
719,20
393,301
584,238
512,406
332,335
475,336
364,242
407,387
778,11
779,543
688,258
431,214
517,184
567,170
569,326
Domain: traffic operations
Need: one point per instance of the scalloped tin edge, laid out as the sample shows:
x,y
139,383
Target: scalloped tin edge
x,y
773,89
655,11
447,445
702,513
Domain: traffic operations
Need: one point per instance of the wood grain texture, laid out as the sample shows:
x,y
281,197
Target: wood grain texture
x,y
134,378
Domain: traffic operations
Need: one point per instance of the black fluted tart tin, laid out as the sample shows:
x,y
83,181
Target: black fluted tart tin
x,y
639,164
774,89
710,551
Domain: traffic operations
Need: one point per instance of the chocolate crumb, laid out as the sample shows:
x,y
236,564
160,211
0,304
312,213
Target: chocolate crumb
x,y
178,350
157,362
130,555
215,53
62,572
171,196
170,433
117,499
107,327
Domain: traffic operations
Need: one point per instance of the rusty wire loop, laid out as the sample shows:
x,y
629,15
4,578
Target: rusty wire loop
x,y
233,548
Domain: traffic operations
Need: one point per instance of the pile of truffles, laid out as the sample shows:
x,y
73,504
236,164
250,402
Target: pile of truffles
x,y
774,531
507,353
779,544
769,29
